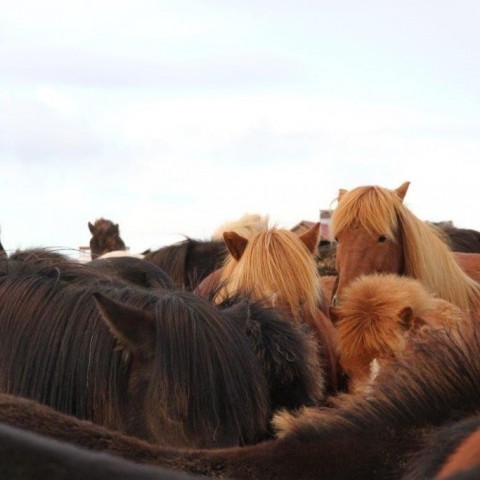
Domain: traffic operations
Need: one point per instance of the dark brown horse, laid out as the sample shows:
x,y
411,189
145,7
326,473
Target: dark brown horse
x,y
183,375
105,237
137,271
28,456
188,262
371,436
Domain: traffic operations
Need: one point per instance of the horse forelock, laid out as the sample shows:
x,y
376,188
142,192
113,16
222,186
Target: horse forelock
x,y
205,378
276,265
372,208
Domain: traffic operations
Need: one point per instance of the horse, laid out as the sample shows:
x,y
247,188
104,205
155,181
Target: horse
x,y
464,240
452,448
244,226
134,270
164,366
105,237
376,232
188,262
437,382
28,456
278,266
377,317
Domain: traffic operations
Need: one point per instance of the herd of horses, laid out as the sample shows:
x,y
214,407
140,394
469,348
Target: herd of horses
x,y
236,357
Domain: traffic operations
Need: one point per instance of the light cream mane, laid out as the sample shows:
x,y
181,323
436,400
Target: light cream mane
x,y
427,257
244,226
276,265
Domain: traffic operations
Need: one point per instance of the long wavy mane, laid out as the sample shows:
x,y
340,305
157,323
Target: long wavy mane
x,y
205,386
276,266
380,211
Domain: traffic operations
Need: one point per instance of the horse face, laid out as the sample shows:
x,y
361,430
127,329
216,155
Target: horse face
x,y
359,253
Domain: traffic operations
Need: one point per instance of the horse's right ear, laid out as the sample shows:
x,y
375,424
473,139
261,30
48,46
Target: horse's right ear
x,y
132,327
235,243
341,193
401,191
91,228
311,238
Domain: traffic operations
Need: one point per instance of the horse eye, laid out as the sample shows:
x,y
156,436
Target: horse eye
x,y
382,238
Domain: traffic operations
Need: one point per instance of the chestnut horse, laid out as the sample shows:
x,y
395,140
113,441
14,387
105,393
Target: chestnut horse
x,y
376,232
372,436
278,267
105,237
377,317
164,366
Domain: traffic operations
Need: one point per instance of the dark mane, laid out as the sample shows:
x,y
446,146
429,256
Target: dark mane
x,y
188,262
205,387
370,436
135,271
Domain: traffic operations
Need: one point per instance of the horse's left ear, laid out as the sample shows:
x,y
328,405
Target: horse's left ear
x,y
406,318
401,191
311,238
236,244
132,327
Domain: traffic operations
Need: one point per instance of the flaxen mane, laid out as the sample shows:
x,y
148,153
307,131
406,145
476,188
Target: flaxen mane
x,y
244,226
380,211
276,266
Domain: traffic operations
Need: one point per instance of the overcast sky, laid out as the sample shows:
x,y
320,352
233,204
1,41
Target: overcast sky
x,y
172,118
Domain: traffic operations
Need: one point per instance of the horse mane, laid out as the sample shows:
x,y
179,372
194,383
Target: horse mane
x,y
381,211
275,266
245,226
197,389
189,261
206,375
435,381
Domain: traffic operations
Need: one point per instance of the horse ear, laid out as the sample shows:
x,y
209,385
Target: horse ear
x,y
406,318
236,244
401,191
311,238
334,313
91,228
134,328
341,193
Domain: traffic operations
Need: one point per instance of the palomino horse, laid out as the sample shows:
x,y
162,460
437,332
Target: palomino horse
x,y
377,317
167,367
244,226
105,237
278,266
188,262
376,232
370,436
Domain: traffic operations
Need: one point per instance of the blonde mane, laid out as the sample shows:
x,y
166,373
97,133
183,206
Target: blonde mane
x,y
244,226
427,256
277,266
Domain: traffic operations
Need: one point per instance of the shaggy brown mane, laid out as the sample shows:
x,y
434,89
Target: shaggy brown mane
x,y
380,211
